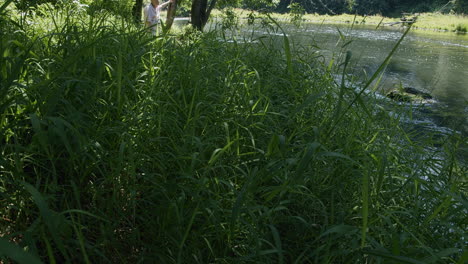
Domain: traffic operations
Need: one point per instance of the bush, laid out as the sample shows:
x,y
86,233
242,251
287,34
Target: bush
x,y
461,28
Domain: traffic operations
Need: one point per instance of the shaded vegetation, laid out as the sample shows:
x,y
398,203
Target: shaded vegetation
x,y
116,147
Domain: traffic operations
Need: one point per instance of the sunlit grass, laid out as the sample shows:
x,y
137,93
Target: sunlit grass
x,y
444,22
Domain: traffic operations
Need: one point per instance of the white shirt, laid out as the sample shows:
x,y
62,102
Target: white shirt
x,y
152,15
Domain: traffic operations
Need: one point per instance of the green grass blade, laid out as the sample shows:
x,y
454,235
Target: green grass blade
x,y
287,47
187,231
400,259
49,217
365,207
278,245
81,239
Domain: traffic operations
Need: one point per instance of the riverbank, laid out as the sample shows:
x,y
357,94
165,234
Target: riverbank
x,y
425,22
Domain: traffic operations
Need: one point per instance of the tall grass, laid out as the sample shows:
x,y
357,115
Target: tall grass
x,y
116,147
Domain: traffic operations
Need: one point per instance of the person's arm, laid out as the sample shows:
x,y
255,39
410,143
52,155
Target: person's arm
x,y
166,3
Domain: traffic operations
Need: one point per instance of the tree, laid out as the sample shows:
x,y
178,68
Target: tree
x,y
201,9
171,13
136,11
461,6
200,12
316,6
370,7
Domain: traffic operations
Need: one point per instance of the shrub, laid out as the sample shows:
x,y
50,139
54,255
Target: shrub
x,y
461,28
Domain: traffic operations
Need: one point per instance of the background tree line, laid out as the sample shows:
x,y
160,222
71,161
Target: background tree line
x,y
370,7
199,10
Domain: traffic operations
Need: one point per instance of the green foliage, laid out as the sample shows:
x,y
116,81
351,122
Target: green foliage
x,y
118,7
116,147
251,18
121,8
183,9
461,6
230,20
350,5
16,253
317,6
296,12
368,7
461,28
371,6
28,4
260,5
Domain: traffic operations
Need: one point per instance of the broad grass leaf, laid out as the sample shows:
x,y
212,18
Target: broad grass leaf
x,y
340,230
16,253
309,153
273,146
335,155
36,124
308,101
218,152
59,129
50,218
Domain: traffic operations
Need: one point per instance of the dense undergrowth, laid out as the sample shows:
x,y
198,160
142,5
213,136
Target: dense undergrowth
x,y
119,148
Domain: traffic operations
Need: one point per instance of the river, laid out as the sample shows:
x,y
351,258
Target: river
x,y
428,61
435,62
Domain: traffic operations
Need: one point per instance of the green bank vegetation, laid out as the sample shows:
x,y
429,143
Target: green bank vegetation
x,y
116,148
425,21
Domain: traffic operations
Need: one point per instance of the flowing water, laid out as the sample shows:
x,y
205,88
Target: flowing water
x,y
428,61
435,62
432,62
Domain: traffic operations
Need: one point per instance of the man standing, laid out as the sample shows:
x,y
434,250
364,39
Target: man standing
x,y
152,14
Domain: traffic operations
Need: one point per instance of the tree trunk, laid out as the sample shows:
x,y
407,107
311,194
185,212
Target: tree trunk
x,y
200,12
208,11
171,13
196,13
136,11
